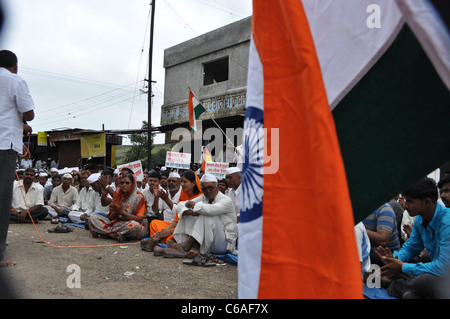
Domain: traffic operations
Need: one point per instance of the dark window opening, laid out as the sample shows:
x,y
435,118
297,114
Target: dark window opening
x,y
215,72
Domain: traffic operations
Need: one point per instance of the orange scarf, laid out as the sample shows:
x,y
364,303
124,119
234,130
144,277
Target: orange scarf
x,y
185,196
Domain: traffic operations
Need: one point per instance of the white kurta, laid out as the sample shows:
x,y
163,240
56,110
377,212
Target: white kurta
x,y
214,229
85,196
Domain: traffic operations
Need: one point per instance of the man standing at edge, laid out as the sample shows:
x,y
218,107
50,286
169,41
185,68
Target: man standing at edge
x,y
431,230
16,107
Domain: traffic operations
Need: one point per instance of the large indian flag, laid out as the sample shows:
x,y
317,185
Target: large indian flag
x,y
355,94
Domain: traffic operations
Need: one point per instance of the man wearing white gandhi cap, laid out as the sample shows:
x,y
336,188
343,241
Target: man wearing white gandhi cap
x,y
233,177
62,199
207,224
82,209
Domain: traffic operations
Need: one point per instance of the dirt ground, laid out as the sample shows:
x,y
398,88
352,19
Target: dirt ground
x,y
123,271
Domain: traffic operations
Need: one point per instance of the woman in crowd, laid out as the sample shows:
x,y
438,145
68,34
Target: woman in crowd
x,y
76,181
160,230
126,217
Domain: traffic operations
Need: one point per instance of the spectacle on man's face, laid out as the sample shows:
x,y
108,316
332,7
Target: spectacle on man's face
x,y
173,183
209,189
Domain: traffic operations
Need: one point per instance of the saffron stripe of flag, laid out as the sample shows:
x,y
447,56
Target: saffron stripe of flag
x,y
305,206
207,158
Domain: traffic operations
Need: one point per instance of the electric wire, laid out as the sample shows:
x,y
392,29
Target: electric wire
x,y
140,61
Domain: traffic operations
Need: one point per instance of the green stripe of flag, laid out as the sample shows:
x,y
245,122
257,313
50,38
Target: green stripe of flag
x,y
393,126
198,110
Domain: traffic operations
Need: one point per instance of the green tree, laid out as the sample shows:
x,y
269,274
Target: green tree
x,y
138,150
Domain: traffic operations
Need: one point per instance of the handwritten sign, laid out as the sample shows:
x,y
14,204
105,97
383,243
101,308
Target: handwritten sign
x,y
136,167
178,160
217,169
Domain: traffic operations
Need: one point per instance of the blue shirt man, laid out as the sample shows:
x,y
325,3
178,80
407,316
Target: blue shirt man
x,y
431,231
434,236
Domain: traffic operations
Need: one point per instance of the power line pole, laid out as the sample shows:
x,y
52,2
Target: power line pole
x,y
149,98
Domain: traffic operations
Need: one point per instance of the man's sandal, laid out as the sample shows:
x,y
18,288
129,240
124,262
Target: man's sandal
x,y
201,260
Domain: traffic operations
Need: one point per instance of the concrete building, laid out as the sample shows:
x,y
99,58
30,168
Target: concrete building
x,y
214,65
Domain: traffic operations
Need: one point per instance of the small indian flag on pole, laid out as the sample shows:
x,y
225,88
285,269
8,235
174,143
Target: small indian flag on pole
x,y
195,110
207,158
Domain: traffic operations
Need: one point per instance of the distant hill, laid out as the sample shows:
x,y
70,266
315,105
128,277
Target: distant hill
x,y
121,150
158,153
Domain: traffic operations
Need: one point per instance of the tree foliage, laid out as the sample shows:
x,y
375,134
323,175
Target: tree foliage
x,y
139,146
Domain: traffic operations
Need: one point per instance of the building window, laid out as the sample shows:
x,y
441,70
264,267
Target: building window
x,y
215,72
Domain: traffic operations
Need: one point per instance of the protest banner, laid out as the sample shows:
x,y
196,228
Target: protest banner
x,y
136,167
217,169
178,160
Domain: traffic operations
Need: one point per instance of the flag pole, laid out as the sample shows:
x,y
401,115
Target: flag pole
x,y
216,124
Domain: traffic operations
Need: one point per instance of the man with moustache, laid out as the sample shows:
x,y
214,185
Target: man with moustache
x,y
34,200
62,199
207,225
444,190
170,198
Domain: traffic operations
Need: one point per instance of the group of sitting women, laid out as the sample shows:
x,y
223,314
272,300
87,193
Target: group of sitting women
x,y
127,212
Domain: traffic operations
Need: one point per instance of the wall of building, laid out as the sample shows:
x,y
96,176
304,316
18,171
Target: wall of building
x,y
184,64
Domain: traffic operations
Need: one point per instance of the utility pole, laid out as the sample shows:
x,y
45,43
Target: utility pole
x,y
149,98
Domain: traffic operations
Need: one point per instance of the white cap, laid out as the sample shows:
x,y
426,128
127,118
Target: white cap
x,y
66,175
163,168
93,178
53,169
232,170
208,178
175,175
43,174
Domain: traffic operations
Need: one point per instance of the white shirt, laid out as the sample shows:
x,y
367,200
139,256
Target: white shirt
x,y
95,204
62,199
26,163
235,195
162,206
15,100
363,244
84,197
33,197
221,207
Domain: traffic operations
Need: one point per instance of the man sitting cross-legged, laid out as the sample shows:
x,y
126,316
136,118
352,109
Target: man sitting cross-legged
x,y
27,196
207,224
